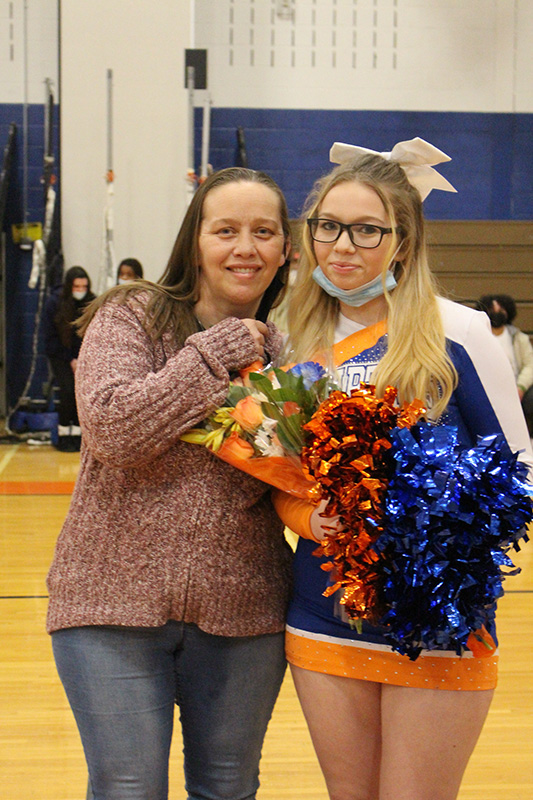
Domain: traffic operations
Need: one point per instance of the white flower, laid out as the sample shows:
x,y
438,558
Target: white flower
x,y
264,439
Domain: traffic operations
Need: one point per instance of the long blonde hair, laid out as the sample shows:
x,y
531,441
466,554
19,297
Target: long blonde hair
x,y
416,361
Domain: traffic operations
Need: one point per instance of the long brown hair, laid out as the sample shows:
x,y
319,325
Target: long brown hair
x,y
170,302
69,310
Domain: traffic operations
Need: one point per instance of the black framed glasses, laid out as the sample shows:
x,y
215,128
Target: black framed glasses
x,y
361,234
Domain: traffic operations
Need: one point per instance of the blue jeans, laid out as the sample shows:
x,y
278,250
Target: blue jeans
x,y
122,684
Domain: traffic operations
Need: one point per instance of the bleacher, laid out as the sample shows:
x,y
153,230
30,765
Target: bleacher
x,y
472,258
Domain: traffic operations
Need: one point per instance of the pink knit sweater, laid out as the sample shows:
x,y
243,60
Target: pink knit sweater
x,y
159,529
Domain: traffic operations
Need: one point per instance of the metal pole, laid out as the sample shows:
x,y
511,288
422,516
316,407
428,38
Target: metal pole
x,y
190,89
107,276
25,243
48,111
110,120
206,128
190,185
110,252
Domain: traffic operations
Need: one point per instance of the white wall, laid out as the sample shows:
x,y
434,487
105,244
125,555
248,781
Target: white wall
x,y
423,55
28,35
523,64
143,42
427,55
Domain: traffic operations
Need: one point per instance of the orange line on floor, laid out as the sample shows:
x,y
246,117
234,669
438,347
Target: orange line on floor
x,y
36,487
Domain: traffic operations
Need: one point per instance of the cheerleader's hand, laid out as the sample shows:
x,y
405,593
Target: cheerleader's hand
x,y
322,525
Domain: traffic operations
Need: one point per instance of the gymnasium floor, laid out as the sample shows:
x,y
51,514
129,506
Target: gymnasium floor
x,y
40,753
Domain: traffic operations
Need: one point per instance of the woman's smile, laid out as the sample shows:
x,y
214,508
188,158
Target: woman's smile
x,y
244,270
241,247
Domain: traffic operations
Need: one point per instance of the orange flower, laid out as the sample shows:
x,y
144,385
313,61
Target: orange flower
x,y
290,408
255,366
248,413
235,449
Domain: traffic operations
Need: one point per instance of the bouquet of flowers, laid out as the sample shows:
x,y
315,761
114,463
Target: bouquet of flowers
x,y
424,527
260,428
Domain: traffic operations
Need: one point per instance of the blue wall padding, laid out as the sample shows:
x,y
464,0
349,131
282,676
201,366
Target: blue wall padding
x,y
21,302
491,165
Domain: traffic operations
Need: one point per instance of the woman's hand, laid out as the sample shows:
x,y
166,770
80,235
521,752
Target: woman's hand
x,y
259,332
320,525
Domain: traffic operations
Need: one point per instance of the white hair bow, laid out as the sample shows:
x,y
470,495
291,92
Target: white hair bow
x,y
415,156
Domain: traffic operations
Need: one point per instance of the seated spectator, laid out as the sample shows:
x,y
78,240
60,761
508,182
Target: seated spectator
x,y
62,345
129,269
501,310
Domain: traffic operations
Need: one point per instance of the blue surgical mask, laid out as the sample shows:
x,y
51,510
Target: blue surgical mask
x,y
355,297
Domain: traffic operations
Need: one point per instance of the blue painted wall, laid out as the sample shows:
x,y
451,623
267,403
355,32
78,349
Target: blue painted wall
x,y
20,301
491,167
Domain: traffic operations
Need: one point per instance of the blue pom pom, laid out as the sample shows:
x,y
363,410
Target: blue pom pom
x,y
450,517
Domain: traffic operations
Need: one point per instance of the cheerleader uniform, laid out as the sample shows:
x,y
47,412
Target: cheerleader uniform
x,y
484,402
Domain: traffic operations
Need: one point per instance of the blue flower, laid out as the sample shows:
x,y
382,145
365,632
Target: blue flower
x,y
311,372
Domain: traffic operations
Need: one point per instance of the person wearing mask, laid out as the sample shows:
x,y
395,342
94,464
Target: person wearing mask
x,y
384,726
129,269
171,574
501,310
62,345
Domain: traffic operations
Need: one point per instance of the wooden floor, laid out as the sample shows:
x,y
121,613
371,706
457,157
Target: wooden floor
x,y
40,754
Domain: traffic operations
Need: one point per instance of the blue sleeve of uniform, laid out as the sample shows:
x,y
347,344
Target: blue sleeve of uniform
x,y
486,399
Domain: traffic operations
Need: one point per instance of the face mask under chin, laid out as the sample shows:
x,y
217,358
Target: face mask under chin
x,y
362,294
355,297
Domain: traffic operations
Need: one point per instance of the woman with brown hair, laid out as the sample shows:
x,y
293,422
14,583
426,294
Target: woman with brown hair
x,y
62,345
171,574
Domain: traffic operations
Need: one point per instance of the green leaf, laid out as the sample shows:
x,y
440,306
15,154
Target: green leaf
x,y
261,383
284,394
273,411
282,376
236,393
290,433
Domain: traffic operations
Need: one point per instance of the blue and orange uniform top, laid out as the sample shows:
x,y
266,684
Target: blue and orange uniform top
x,y
319,637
